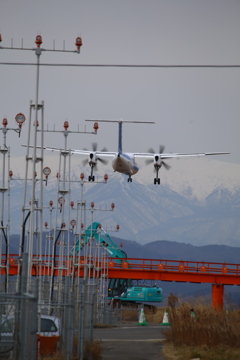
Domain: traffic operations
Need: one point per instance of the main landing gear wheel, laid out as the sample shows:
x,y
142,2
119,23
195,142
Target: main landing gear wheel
x,y
129,179
156,181
91,178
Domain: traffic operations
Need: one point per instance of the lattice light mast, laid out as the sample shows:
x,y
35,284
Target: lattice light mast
x,y
5,188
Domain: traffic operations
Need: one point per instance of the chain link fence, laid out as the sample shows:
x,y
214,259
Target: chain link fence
x,y
33,325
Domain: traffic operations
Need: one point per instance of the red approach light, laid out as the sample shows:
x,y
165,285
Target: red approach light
x,y
112,206
117,227
50,203
46,224
72,204
95,126
57,175
10,174
105,177
63,225
73,223
20,119
4,122
46,171
82,176
61,200
92,204
121,244
82,226
78,42
38,40
66,125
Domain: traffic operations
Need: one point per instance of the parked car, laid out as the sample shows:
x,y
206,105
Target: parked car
x,y
47,338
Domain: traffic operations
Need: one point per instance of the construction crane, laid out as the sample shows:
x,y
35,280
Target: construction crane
x,y
119,290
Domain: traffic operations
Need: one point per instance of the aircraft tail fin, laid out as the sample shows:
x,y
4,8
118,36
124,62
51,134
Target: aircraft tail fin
x,y
119,137
120,122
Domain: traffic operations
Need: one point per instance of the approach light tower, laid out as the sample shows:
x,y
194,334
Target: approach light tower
x,y
36,207
5,189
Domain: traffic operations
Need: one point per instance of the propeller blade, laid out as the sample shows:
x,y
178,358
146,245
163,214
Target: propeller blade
x,y
148,161
161,149
167,167
103,161
104,149
94,146
151,151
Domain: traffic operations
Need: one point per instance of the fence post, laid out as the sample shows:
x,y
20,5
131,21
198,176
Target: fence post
x,y
33,322
68,321
82,323
21,325
91,317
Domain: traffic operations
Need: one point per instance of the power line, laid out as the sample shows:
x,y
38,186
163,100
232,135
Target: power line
x,y
122,65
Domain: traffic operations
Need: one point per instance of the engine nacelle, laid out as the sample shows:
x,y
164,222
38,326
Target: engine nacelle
x,y
158,161
92,159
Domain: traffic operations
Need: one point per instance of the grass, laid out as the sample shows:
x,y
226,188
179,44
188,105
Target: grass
x,y
171,352
92,351
212,335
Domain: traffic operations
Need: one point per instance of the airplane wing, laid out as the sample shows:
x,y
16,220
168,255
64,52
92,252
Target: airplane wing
x,y
97,153
158,159
176,155
79,152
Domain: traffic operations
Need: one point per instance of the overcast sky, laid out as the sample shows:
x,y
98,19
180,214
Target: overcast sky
x,y
195,109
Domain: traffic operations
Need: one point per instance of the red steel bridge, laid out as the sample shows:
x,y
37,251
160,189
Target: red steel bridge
x,y
217,274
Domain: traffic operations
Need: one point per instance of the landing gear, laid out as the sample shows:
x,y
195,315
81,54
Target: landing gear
x,y
157,179
91,177
129,179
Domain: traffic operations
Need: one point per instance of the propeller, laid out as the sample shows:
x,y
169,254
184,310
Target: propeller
x,y
166,166
94,149
156,158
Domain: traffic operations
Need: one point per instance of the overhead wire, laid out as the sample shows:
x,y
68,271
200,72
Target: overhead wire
x,y
121,65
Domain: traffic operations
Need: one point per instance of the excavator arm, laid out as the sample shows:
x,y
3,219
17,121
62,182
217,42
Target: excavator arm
x,y
94,231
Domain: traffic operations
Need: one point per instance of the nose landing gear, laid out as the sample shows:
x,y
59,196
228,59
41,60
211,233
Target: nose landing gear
x,y
91,177
157,179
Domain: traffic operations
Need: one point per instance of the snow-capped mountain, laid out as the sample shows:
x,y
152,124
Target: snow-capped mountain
x,y
196,204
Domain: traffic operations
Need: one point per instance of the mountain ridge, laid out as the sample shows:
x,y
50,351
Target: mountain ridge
x,y
148,212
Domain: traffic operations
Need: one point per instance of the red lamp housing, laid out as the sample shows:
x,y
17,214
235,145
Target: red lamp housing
x,y
38,40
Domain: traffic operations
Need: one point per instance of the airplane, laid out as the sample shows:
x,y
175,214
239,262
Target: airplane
x,y
125,163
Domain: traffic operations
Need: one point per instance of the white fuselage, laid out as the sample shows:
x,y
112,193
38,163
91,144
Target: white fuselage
x,y
125,164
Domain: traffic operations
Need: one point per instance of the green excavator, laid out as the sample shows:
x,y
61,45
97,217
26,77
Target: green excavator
x,y
119,290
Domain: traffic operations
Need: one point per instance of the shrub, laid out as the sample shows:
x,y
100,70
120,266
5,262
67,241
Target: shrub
x,y
210,327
